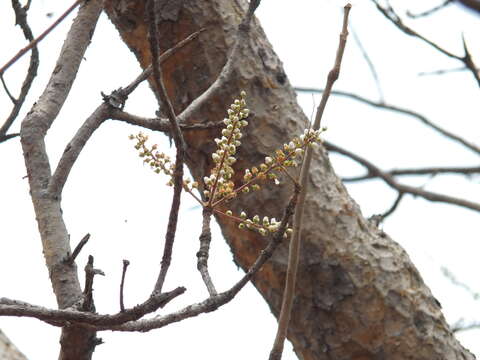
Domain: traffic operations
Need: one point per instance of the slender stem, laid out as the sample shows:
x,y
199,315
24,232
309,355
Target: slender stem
x,y
40,38
295,242
203,252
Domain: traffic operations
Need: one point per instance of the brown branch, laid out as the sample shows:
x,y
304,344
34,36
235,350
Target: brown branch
x,y
241,38
122,283
431,171
34,42
128,320
110,108
389,180
68,316
165,55
294,248
90,272
416,115
78,248
75,147
391,15
21,19
203,252
165,104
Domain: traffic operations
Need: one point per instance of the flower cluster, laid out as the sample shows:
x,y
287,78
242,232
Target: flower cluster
x,y
219,184
263,226
291,154
158,161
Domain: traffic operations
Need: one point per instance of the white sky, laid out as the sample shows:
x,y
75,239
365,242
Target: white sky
x,y
116,199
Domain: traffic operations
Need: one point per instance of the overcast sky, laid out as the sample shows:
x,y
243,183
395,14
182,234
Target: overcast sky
x,y
111,195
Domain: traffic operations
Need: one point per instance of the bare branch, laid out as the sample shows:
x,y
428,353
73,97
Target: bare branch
x,y
391,15
418,116
74,148
67,317
52,229
431,171
227,70
34,42
151,13
369,62
294,248
122,283
21,19
125,321
77,249
203,253
90,272
430,11
389,180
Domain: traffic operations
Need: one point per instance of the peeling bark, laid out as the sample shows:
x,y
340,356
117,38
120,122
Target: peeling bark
x,y
358,294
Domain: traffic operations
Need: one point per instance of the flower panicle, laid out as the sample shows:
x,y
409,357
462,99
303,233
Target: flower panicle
x,y
159,162
219,184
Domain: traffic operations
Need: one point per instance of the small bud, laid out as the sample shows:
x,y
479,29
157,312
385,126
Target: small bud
x,y
229,212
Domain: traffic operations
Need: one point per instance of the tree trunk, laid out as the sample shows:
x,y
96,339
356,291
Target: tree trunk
x,y
358,294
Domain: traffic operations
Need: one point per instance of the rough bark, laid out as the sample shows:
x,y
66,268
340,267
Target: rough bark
x,y
358,294
8,351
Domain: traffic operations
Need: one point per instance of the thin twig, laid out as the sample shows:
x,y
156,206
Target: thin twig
x,y
391,15
389,180
77,249
122,283
394,108
393,207
67,317
430,171
294,249
34,42
242,36
429,11
127,321
203,252
369,62
442,71
110,108
21,19
165,55
176,132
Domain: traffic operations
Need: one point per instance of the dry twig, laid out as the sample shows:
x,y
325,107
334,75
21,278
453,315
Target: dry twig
x,y
21,20
294,249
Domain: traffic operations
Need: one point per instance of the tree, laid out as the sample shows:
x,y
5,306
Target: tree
x,y
358,293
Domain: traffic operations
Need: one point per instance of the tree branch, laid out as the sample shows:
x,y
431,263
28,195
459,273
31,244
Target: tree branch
x,y
389,180
294,249
384,106
21,19
391,15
